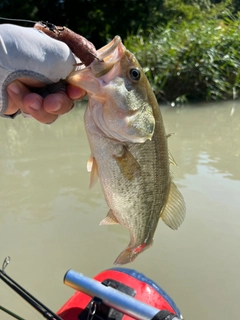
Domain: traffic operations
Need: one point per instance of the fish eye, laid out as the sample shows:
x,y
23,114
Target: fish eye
x,y
135,74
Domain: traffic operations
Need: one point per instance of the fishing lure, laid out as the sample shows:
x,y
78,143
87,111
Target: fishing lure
x,y
80,46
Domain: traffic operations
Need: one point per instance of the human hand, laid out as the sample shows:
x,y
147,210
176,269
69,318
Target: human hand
x,y
45,110
28,60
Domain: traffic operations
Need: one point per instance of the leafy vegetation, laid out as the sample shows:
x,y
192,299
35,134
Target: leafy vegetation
x,y
195,58
189,48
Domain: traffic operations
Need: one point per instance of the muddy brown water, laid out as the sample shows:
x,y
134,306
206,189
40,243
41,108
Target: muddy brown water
x,y
49,219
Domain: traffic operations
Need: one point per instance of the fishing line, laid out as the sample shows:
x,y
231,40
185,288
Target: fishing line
x,y
20,20
46,24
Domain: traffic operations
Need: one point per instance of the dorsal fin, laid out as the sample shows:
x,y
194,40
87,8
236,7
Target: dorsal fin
x,y
174,210
171,159
170,134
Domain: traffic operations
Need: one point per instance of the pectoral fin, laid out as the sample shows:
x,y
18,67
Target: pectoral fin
x,y
128,164
174,210
93,168
109,219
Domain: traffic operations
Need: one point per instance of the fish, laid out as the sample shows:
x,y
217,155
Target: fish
x,y
129,148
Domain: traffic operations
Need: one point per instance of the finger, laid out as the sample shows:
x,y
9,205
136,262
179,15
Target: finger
x,y
75,93
30,103
33,104
16,92
57,103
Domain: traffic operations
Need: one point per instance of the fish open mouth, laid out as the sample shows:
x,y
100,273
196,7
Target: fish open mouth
x,y
108,56
106,51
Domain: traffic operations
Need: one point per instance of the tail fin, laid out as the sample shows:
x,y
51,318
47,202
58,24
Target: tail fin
x,y
130,254
126,256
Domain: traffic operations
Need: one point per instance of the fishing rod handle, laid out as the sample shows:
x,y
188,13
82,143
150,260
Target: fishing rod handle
x,y
111,297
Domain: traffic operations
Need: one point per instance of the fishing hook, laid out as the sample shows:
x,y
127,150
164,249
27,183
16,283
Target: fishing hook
x,y
52,27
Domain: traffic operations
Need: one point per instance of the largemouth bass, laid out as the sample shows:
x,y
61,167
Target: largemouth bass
x,y
129,147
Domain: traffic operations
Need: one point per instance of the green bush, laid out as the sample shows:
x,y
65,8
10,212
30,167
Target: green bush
x,y
192,59
189,48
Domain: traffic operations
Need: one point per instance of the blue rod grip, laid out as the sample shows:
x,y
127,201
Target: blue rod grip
x,y
111,297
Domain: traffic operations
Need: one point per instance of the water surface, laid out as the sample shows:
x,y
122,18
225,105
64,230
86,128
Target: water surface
x,y
49,219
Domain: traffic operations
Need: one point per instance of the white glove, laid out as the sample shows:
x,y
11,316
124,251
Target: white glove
x,y
29,53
